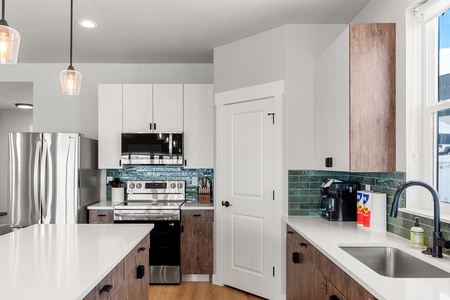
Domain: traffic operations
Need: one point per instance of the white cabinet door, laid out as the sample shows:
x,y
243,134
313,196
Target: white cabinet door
x,y
198,125
137,107
109,125
332,105
168,107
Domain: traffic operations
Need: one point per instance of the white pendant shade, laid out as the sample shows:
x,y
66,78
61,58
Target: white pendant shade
x,y
70,82
9,45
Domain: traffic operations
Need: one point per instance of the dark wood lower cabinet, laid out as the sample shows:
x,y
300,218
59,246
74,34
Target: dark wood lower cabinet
x,y
311,275
129,279
197,241
99,216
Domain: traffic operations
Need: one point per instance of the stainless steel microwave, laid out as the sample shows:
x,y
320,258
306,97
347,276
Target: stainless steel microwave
x,y
163,148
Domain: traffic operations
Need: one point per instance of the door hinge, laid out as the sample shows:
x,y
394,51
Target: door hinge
x,y
273,117
273,195
273,271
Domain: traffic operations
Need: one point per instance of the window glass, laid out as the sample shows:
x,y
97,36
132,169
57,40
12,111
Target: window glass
x,y
443,120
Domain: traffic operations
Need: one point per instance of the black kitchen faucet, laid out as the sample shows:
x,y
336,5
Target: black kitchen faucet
x,y
438,240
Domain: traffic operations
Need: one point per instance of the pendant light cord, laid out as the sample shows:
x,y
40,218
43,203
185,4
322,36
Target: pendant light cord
x,y
71,30
3,9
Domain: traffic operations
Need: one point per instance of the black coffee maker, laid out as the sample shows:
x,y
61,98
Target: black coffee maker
x,y
338,201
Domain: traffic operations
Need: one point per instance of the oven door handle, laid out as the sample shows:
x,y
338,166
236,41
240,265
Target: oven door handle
x,y
146,217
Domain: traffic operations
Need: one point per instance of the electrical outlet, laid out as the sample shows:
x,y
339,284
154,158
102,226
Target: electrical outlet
x,y
109,178
194,180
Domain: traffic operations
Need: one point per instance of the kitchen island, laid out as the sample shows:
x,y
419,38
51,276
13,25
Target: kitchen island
x,y
64,261
327,236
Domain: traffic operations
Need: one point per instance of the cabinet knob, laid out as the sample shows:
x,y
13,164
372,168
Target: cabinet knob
x,y
304,245
140,272
142,249
296,257
106,288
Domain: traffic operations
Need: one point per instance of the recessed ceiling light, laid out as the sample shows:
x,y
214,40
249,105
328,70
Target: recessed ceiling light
x,y
87,24
24,105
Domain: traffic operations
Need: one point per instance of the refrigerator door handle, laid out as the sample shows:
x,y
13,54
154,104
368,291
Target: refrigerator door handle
x,y
43,181
37,178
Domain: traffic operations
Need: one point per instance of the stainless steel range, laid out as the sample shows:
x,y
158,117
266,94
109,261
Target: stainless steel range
x,y
157,202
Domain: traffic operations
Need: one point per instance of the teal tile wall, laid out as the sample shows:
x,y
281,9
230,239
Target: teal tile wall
x,y
304,197
162,173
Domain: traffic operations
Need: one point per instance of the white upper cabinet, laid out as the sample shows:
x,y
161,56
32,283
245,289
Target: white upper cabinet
x,y
137,107
109,125
198,125
168,107
332,105
152,108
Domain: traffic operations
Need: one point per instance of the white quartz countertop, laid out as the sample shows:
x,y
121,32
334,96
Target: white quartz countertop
x,y
197,206
102,205
55,262
327,236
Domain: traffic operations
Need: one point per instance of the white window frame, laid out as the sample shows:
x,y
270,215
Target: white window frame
x,y
425,42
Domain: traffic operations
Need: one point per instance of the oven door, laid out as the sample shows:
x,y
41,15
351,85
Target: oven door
x,y
165,247
152,149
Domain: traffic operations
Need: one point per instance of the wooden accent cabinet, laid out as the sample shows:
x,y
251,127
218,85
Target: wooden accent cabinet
x,y
129,279
355,100
197,241
101,216
311,275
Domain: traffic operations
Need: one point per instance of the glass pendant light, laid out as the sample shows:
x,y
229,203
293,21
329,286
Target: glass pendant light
x,y
9,41
70,79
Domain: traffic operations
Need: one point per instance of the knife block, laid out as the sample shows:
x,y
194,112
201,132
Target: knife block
x,y
203,198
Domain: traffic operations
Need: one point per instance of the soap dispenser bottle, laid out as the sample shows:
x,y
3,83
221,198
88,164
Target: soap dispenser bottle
x,y
417,235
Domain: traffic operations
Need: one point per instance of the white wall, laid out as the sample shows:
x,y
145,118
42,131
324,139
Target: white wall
x,y
389,11
258,59
10,121
56,112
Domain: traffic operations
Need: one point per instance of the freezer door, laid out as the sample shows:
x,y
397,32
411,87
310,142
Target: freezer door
x,y
24,151
59,175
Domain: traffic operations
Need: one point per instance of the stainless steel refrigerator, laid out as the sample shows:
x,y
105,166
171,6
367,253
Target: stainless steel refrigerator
x,y
52,178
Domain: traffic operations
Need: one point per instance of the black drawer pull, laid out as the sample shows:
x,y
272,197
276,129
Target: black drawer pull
x,y
197,215
101,215
140,272
142,249
295,257
106,288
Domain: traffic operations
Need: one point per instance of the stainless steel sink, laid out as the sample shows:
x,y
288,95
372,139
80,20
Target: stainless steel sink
x,y
393,262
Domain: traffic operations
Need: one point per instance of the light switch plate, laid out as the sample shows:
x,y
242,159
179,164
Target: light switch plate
x,y
194,180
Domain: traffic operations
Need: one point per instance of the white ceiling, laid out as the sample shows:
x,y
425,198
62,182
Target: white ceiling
x,y
151,31
157,31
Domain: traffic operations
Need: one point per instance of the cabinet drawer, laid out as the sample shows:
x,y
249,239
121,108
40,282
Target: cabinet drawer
x,y
106,288
197,216
296,239
101,216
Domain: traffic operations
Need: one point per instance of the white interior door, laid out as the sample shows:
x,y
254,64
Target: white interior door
x,y
248,238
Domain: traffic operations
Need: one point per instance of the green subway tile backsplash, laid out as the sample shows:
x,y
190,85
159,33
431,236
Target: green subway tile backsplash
x,y
163,173
304,197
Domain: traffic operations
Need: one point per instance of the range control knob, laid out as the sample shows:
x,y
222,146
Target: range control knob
x,y
173,185
138,185
180,185
131,185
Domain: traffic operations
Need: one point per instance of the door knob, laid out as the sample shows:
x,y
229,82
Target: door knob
x,y
226,203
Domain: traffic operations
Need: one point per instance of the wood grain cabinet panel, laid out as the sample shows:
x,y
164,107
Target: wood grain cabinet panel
x,y
197,241
315,276
101,216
